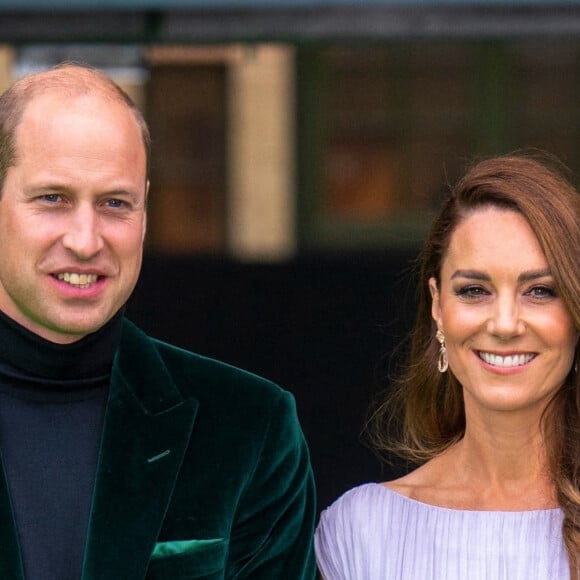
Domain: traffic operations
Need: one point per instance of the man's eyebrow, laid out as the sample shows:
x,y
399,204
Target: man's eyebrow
x,y
526,276
116,192
47,188
40,189
62,188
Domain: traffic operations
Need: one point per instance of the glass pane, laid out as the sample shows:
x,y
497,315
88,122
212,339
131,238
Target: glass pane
x,y
187,109
548,107
396,124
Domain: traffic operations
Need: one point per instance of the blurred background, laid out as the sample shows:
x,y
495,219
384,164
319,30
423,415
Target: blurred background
x,y
300,149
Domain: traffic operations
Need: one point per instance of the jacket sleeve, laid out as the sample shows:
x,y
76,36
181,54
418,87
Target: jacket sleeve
x,y
272,535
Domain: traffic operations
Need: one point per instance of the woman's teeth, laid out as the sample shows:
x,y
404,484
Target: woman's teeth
x,y
513,360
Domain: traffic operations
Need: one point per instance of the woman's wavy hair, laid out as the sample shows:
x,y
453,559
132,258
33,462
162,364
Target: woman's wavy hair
x,y
423,413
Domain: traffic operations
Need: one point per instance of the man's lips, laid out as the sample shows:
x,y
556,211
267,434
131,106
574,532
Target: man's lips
x,y
77,279
506,361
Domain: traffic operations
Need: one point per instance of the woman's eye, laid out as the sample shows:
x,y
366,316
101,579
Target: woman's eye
x,y
471,292
541,292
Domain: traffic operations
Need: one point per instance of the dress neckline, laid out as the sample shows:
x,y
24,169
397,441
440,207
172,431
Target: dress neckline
x,y
404,498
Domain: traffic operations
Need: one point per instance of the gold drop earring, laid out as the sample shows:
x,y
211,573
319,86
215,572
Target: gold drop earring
x,y
442,362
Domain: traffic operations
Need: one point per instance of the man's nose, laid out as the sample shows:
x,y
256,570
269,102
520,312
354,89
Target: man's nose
x,y
83,237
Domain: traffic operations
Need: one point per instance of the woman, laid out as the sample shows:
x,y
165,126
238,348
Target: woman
x,y
490,399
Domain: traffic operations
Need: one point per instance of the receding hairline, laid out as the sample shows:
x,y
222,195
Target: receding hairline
x,y
73,80
70,81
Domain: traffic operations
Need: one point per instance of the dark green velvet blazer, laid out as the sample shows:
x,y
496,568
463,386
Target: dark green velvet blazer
x,y
203,473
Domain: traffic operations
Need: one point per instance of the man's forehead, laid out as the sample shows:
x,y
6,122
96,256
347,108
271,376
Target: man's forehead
x,y
47,109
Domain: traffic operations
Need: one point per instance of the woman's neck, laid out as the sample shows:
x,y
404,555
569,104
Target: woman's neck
x,y
498,465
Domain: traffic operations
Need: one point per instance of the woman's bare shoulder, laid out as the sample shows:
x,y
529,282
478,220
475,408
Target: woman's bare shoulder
x,y
409,484
431,483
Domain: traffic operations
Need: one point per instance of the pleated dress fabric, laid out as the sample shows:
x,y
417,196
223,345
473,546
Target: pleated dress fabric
x,y
373,533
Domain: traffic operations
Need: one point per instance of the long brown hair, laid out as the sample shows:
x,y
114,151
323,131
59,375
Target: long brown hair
x,y
424,414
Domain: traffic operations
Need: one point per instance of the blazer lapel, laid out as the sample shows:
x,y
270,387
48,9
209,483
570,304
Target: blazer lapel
x,y
145,436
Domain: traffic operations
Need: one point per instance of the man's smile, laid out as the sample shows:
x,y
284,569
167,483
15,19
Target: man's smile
x,y
76,279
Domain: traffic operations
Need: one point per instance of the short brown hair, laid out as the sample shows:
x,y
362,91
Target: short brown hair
x,y
71,79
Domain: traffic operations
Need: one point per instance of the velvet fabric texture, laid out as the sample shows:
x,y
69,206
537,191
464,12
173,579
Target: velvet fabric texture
x,y
203,473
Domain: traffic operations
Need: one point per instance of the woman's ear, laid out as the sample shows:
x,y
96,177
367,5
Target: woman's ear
x,y
436,302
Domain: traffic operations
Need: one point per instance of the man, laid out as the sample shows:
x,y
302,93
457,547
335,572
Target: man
x,y
123,458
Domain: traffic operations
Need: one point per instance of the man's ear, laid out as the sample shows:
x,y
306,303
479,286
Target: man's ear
x,y
436,303
145,208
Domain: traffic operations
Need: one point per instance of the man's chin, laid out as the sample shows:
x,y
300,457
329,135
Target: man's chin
x,y
69,331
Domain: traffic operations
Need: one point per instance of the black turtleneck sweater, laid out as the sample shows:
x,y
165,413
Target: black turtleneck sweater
x,y
52,403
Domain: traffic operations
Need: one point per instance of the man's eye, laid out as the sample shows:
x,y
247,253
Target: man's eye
x,y
51,197
116,203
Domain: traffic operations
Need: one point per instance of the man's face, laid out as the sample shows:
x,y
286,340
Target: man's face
x,y
72,216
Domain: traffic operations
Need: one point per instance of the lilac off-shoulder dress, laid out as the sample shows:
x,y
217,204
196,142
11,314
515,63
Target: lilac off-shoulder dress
x,y
373,533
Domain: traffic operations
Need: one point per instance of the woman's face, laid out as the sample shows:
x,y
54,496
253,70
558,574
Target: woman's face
x,y
510,340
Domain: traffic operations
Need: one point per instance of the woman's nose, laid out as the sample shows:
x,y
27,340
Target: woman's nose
x,y
505,321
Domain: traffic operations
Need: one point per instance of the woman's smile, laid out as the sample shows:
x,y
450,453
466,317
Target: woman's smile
x,y
505,361
510,340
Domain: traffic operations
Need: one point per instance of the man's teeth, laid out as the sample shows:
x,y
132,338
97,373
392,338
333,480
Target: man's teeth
x,y
514,360
80,280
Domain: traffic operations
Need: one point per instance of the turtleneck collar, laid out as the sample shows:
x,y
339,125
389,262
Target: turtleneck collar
x,y
26,354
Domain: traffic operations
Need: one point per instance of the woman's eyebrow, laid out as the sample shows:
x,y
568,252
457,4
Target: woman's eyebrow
x,y
473,274
534,275
526,276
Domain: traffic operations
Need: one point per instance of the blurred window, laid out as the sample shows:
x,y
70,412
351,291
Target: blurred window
x,y
186,110
384,128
